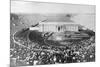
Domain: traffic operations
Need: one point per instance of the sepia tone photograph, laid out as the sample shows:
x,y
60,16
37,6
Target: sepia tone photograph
x,y
43,33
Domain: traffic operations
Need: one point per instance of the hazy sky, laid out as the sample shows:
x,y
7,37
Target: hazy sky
x,y
85,14
38,7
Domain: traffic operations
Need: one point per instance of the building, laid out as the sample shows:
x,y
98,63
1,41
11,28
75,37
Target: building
x,y
58,27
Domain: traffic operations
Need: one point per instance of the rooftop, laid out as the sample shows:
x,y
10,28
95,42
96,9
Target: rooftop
x,y
58,23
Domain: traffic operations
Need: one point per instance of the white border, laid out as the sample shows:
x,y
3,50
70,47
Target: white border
x,y
86,2
5,32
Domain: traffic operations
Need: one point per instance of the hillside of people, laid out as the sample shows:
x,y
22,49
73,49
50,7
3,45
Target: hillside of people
x,y
31,48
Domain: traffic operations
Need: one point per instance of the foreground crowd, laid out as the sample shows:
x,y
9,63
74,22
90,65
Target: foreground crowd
x,y
35,54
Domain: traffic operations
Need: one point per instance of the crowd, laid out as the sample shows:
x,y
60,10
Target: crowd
x,y
35,54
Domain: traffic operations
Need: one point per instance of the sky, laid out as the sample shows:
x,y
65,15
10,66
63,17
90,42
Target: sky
x,y
84,14
39,7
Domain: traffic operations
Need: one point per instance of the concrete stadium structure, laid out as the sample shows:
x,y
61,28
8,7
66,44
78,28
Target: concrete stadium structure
x,y
58,27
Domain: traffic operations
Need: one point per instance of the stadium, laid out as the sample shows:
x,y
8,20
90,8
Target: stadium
x,y
50,33
44,45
